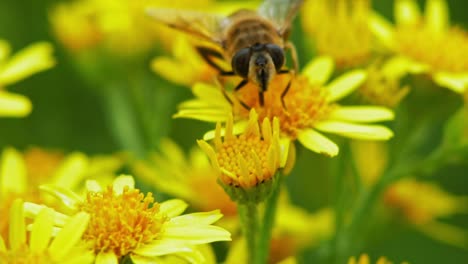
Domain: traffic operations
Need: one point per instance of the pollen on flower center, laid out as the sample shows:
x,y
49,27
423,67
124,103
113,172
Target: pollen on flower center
x,y
443,52
250,151
304,103
121,222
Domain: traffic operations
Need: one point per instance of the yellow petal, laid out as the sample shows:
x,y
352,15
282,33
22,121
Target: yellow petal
x,y
14,105
173,208
237,129
93,186
209,93
31,210
106,258
17,234
174,71
317,142
407,13
2,245
69,236
382,29
32,59
366,132
362,113
12,172
437,15
121,182
345,84
71,171
162,247
207,115
319,70
455,82
205,218
41,232
195,234
65,196
4,50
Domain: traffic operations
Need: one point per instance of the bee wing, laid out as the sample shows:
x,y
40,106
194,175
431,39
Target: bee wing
x,y
203,25
281,12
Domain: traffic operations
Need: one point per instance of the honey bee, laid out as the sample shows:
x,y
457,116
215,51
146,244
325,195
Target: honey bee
x,y
254,42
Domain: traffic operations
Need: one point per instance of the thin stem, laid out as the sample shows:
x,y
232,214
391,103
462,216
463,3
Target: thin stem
x,y
249,219
271,205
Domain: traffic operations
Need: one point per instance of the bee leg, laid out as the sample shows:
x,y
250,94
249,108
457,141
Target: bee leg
x,y
286,90
283,94
208,54
290,46
238,87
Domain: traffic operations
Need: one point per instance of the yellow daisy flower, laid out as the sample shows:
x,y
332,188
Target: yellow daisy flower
x,y
426,44
185,66
174,173
32,59
422,203
246,164
125,222
364,259
339,29
22,173
40,247
309,107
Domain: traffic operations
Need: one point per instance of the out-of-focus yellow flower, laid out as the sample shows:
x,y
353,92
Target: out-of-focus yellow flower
x,y
32,59
339,29
422,204
121,27
125,222
40,247
382,86
246,165
426,44
185,67
309,107
364,259
172,172
371,159
21,174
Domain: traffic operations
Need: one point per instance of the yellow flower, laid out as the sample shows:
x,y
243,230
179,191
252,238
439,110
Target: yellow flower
x,y
364,259
339,29
32,59
125,222
309,107
382,86
21,174
426,44
422,203
65,247
249,161
186,67
172,172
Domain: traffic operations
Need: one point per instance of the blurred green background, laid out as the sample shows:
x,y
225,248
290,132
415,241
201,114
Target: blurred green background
x,y
68,115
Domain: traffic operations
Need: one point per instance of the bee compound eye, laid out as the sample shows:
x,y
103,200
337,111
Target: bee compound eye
x,y
240,62
277,54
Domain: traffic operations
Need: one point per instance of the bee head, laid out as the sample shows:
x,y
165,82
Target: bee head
x,y
258,63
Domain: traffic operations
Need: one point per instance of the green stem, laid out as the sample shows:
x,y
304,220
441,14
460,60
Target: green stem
x,y
271,205
249,219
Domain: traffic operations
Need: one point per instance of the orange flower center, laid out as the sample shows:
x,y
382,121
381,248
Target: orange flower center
x,y
120,223
245,161
446,51
304,104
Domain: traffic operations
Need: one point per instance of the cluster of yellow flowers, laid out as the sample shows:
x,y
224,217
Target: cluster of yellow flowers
x,y
75,208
